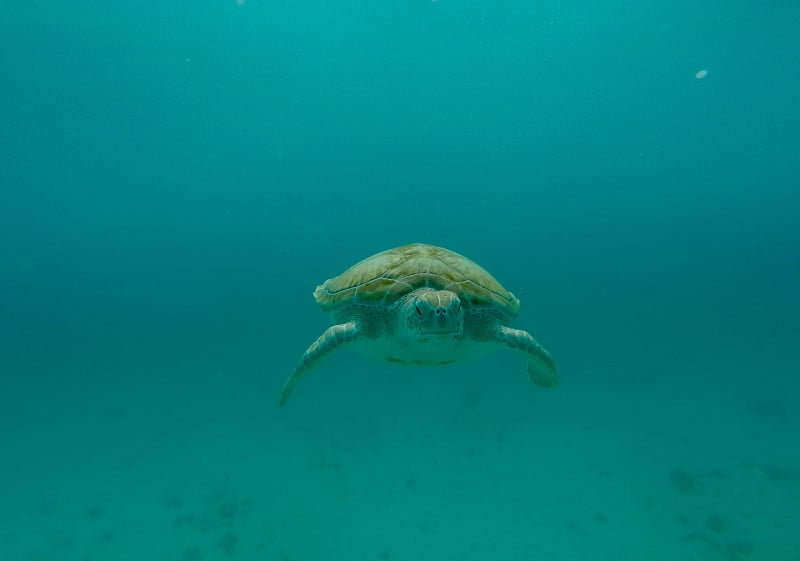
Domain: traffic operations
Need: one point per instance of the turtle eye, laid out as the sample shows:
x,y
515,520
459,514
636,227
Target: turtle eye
x,y
419,312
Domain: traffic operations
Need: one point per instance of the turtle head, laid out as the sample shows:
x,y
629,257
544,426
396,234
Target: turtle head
x,y
434,313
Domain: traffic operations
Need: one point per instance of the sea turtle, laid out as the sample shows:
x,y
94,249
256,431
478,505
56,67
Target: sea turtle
x,y
420,304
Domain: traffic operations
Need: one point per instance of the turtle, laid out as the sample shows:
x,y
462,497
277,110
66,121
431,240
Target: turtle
x,y
423,305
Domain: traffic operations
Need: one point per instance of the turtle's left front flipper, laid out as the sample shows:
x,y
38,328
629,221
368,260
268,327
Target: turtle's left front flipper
x,y
331,338
541,368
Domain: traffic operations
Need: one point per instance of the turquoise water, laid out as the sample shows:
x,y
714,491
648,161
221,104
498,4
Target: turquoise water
x,y
175,180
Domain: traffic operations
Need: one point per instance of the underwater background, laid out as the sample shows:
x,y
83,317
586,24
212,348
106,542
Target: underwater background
x,y
176,178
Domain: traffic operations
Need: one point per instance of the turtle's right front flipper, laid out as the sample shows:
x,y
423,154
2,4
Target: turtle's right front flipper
x,y
331,338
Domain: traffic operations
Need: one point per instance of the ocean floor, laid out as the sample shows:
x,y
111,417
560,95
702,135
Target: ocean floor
x,y
376,462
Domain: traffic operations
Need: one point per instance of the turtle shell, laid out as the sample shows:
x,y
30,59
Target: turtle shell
x,y
382,279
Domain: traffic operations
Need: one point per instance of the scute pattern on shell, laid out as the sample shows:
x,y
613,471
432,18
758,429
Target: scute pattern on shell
x,y
385,277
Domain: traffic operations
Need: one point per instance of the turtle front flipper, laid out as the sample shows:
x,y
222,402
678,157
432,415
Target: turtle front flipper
x,y
331,338
541,368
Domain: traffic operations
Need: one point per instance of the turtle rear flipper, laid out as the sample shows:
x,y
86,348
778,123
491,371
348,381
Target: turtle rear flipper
x,y
332,338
